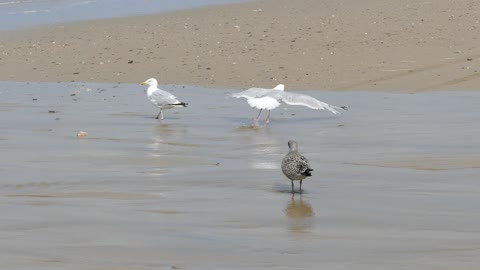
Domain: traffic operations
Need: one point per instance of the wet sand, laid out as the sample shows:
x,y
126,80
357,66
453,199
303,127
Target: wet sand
x,y
398,46
395,181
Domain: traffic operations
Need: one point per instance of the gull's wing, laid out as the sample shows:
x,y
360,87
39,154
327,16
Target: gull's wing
x,y
304,100
302,164
161,97
253,93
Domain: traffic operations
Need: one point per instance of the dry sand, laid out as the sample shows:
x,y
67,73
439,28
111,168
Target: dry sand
x,y
386,45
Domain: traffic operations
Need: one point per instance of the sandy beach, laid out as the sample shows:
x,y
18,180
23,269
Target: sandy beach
x,y
405,46
395,180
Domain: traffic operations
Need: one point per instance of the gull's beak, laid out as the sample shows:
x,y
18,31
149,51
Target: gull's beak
x,y
143,83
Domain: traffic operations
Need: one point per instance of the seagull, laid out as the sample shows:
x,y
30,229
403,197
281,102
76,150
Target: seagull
x,y
160,98
269,99
295,166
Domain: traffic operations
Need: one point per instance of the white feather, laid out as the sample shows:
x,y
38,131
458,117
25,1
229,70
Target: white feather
x,y
263,103
269,99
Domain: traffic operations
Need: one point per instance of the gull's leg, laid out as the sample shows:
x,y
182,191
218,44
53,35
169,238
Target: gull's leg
x,y
267,120
292,188
301,186
160,115
258,116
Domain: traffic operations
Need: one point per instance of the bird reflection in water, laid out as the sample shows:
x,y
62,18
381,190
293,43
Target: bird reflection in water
x,y
300,215
264,151
166,134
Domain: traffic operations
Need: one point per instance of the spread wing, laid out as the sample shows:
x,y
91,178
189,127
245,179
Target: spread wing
x,y
304,100
253,93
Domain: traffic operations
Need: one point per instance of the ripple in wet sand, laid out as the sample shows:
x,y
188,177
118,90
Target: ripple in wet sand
x,y
98,195
164,212
427,164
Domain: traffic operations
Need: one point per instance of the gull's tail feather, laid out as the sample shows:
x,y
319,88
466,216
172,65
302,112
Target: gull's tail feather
x,y
307,172
182,104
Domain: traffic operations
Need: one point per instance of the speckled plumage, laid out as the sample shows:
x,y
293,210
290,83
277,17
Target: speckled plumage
x,y
295,166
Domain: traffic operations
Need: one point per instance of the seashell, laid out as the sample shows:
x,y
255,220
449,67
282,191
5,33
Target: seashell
x,y
82,134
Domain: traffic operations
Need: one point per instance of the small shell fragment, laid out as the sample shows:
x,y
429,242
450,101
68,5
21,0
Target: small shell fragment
x,y
82,134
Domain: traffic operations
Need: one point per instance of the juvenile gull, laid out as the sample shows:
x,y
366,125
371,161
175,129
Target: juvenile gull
x,y
269,99
160,98
295,166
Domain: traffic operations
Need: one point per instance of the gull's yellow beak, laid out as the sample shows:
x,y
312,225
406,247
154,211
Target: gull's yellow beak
x,y
143,83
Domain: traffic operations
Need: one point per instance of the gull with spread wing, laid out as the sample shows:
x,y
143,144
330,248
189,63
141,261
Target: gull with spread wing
x,y
269,99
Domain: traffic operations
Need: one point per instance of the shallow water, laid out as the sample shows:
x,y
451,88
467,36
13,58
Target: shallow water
x,y
395,183
16,14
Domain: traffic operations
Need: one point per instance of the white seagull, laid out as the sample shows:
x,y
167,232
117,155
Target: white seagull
x,y
160,98
269,99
